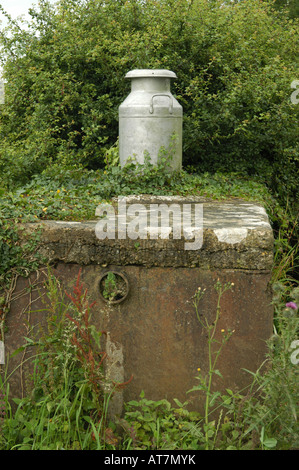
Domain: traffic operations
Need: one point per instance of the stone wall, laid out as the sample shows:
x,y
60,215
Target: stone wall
x,y
153,332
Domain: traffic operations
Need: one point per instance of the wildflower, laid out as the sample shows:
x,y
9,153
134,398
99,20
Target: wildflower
x,y
45,209
292,305
222,331
58,191
198,369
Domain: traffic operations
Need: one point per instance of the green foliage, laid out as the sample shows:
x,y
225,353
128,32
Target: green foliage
x,y
262,416
152,425
266,414
74,194
290,7
286,248
205,380
109,286
113,287
65,406
280,383
235,64
15,258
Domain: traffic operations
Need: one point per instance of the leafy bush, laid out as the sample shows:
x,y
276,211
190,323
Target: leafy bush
x,y
289,7
150,424
235,64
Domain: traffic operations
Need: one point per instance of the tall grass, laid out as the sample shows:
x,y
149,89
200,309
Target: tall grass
x,y
67,393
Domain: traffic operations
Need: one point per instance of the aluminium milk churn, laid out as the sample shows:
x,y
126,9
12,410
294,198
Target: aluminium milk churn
x,y
151,119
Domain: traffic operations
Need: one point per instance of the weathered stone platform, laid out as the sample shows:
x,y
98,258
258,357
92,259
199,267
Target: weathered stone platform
x,y
153,332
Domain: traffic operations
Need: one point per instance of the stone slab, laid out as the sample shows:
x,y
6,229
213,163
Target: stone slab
x,y
236,235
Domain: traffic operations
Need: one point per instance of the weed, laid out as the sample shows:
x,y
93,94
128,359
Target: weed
x,y
205,381
67,403
152,424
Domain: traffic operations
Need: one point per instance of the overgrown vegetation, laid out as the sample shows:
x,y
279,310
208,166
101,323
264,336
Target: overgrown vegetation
x,y
59,159
67,391
235,63
263,416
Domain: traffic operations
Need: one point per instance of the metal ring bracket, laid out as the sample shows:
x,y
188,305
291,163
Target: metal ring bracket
x,y
113,287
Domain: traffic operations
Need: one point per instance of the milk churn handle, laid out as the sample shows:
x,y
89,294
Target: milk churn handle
x,y
151,110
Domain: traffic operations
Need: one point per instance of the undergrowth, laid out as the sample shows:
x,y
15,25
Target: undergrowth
x,y
66,404
67,392
67,400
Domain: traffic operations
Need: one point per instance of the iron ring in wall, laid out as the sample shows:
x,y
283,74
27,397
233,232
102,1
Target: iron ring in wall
x,y
113,287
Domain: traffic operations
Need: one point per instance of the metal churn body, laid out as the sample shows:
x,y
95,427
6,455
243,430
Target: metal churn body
x,y
150,119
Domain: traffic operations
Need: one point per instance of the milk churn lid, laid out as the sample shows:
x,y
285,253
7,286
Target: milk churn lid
x,y
159,73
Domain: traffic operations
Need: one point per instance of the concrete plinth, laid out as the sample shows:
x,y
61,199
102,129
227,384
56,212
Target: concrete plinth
x,y
153,332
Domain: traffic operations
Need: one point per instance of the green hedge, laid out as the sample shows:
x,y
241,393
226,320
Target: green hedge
x,y
235,64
